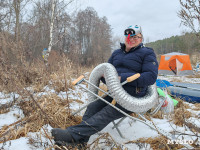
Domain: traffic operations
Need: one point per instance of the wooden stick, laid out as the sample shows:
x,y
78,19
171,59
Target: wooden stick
x,y
133,77
77,80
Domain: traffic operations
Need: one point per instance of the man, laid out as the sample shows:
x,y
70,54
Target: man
x,y
130,59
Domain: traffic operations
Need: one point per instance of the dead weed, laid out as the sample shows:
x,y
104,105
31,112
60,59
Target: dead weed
x,y
157,143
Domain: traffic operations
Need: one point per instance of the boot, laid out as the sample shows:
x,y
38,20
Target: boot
x,y
61,135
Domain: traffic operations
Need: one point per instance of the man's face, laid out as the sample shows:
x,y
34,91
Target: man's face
x,y
134,41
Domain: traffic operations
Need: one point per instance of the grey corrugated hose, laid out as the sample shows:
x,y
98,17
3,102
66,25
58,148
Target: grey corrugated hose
x,y
116,90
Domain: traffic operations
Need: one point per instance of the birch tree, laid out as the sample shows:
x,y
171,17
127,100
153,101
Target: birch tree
x,y
53,15
46,55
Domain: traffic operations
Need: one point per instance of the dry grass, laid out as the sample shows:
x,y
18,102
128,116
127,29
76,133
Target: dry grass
x,y
38,75
158,115
197,107
194,76
181,113
56,114
4,108
103,142
38,111
156,143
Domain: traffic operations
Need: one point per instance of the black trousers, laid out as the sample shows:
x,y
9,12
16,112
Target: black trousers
x,y
97,116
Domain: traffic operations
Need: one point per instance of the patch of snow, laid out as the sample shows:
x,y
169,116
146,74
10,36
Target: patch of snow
x,y
11,117
24,143
7,98
19,144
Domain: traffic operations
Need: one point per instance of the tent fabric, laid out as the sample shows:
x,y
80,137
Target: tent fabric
x,y
175,64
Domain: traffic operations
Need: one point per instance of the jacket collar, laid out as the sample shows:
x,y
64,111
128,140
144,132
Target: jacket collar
x,y
123,47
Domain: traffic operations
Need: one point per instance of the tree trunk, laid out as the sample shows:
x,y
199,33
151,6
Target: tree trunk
x,y
16,5
51,32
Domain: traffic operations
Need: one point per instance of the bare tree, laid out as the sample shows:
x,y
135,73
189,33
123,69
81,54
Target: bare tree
x,y
6,14
16,6
93,36
190,15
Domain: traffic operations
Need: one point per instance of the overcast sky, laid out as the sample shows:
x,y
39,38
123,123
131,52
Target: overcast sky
x,y
158,18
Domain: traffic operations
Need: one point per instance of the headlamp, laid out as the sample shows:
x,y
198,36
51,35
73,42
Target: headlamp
x,y
129,31
133,30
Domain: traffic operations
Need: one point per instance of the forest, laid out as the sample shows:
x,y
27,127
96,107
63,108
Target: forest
x,y
187,43
24,33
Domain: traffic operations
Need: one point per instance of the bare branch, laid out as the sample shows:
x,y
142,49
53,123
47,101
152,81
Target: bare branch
x,y
190,15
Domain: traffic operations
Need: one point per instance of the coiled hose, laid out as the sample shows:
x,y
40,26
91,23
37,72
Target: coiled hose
x,y
116,90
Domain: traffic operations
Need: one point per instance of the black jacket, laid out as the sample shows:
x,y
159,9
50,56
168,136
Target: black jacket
x,y
138,60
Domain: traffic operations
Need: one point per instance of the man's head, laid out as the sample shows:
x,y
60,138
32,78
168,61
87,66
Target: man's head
x,y
133,36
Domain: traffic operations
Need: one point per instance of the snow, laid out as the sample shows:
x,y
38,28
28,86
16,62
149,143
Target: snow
x,y
184,79
131,130
23,142
19,144
6,98
10,117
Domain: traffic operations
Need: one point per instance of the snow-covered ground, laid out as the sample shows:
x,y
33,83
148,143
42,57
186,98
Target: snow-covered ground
x,y
184,79
131,130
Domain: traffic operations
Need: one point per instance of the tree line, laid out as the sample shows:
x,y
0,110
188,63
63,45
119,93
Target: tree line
x,y
83,36
187,43
25,24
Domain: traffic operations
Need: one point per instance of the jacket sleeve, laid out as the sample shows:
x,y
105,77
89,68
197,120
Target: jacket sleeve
x,y
148,73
